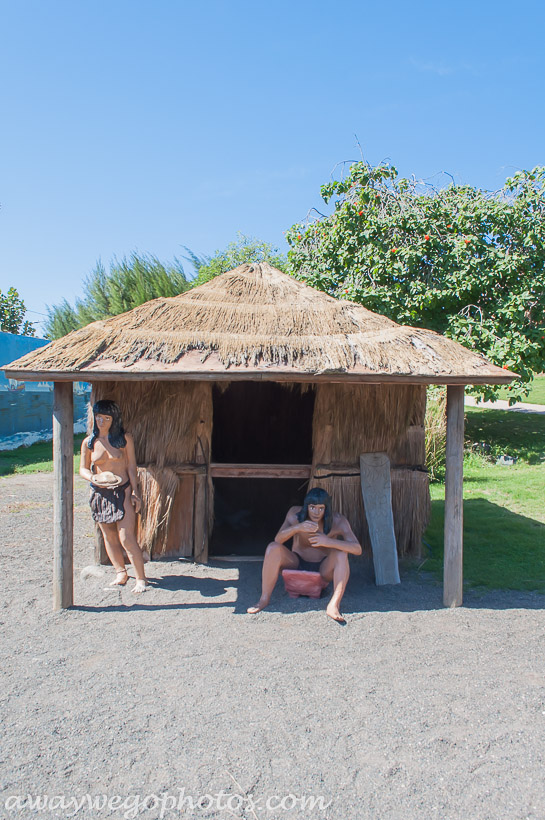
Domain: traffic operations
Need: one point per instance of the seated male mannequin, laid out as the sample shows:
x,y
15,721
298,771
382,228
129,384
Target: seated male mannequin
x,y
322,542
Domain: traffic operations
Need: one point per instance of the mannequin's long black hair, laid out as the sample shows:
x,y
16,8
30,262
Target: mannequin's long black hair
x,y
318,496
116,434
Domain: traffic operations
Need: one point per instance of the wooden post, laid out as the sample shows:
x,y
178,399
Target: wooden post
x,y
63,498
200,520
454,477
200,510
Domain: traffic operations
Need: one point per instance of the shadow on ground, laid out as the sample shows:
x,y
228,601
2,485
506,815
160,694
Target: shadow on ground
x,y
418,591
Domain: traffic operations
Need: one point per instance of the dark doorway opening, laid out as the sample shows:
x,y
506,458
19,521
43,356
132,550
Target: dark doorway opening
x,y
262,423
248,512
257,423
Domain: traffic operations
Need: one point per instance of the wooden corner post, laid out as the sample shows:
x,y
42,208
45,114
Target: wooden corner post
x,y
200,511
63,495
454,477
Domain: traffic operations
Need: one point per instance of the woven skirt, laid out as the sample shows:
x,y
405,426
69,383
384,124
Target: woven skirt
x,y
107,504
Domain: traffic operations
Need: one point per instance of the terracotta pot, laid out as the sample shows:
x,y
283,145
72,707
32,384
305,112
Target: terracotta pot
x,y
302,582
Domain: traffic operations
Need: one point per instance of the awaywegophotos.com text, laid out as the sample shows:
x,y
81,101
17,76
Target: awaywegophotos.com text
x,y
130,806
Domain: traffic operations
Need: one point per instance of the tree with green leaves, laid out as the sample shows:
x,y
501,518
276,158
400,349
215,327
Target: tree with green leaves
x,y
12,314
136,280
244,250
129,283
458,260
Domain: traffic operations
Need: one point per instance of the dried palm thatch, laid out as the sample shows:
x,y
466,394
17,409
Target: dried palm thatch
x,y
350,419
158,487
256,319
166,419
171,423
410,449
354,419
411,505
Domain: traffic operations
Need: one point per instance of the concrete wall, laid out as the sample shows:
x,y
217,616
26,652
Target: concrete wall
x,y
27,407
13,347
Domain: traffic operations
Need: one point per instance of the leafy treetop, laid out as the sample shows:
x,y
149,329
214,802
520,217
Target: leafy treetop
x,y
12,314
244,251
136,280
129,283
461,261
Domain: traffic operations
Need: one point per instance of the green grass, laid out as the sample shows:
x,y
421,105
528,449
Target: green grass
x,y
38,458
504,507
521,435
537,392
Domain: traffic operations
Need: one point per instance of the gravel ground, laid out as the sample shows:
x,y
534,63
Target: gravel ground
x,y
125,707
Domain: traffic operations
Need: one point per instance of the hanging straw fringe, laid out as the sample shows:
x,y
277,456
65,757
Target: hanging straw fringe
x,y
354,419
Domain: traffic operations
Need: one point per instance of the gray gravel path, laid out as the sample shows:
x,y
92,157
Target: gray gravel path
x,y
410,711
502,404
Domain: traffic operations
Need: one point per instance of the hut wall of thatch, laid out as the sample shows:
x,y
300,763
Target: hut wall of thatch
x,y
359,418
171,423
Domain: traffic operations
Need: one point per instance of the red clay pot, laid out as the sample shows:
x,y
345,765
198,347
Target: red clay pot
x,y
302,582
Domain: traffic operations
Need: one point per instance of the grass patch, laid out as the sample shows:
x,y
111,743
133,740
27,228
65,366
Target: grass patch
x,y
38,458
504,513
521,435
537,392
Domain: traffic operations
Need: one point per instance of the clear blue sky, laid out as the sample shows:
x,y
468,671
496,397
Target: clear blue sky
x,y
129,125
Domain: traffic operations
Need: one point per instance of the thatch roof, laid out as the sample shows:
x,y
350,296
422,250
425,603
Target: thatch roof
x,y
255,322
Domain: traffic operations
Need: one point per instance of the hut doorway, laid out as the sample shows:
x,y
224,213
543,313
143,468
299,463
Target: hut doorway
x,y
270,426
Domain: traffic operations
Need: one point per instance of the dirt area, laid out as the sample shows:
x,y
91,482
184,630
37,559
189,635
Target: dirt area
x,y
178,704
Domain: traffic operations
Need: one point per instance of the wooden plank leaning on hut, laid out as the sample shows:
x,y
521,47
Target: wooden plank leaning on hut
x,y
376,489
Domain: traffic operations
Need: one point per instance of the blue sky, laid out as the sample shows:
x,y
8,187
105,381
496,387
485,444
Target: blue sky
x,y
153,125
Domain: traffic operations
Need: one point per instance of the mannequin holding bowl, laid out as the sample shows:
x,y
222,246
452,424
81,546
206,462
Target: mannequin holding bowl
x,y
108,462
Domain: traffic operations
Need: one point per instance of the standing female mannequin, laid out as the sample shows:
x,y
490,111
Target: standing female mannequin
x,y
107,457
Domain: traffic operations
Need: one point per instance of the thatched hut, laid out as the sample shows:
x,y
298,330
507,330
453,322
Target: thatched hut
x,y
243,392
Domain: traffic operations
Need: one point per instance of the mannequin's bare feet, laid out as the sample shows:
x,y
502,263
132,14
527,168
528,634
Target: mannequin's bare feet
x,y
261,604
121,578
140,586
333,612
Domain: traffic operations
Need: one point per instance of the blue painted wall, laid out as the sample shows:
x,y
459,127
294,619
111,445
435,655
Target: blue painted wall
x,y
27,407
13,347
